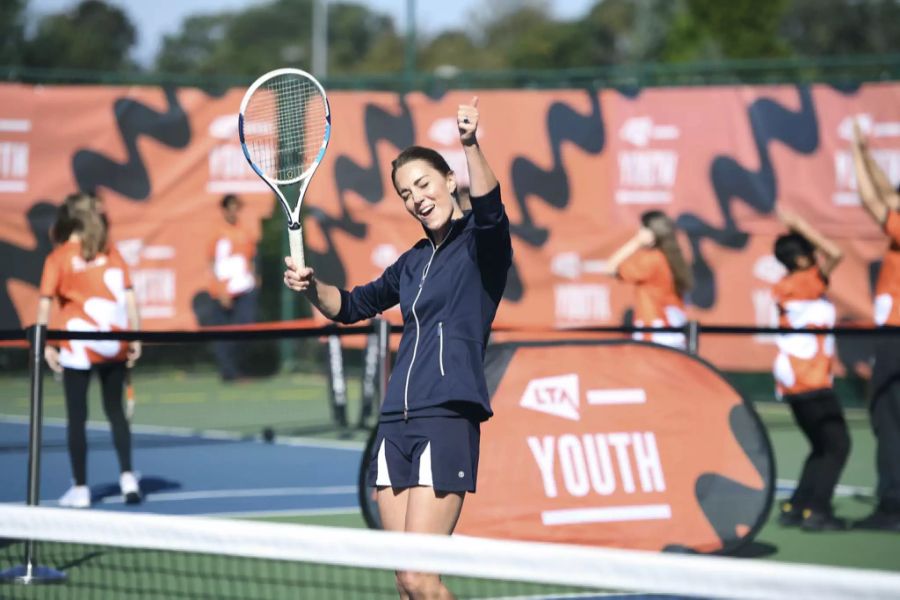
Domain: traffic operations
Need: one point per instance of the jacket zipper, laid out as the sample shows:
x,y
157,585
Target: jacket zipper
x,y
416,344
441,341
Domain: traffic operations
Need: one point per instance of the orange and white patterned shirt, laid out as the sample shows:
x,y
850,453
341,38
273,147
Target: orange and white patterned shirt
x,y
91,296
887,290
232,252
804,361
656,303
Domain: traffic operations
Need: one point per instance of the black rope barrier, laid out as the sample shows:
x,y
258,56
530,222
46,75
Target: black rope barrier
x,y
207,335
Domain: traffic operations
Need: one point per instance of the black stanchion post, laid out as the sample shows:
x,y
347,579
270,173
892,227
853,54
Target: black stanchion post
x,y
693,336
370,377
383,329
338,382
31,572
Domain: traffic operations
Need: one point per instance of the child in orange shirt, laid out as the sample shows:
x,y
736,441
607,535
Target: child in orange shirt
x,y
232,253
803,373
93,286
653,262
882,202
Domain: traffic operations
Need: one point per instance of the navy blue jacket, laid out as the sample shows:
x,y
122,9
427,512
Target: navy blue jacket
x,y
448,297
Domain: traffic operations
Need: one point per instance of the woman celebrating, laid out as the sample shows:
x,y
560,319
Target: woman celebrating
x,y
653,262
449,285
94,291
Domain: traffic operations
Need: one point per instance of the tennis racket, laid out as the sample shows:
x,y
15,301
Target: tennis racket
x,y
284,126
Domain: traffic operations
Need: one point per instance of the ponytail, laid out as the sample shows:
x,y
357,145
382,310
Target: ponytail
x,y
663,229
88,224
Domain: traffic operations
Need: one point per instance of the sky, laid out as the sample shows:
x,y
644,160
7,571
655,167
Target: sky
x,y
155,18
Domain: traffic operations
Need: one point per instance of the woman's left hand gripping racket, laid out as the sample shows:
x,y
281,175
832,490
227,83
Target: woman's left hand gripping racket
x,y
285,125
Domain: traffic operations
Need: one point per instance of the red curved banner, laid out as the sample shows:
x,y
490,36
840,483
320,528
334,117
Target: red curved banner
x,y
618,444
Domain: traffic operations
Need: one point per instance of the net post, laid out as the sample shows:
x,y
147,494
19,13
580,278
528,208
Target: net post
x,y
692,331
30,572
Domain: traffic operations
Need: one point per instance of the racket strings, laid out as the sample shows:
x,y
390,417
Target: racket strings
x,y
285,124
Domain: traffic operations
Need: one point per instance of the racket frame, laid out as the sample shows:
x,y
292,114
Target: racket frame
x,y
279,186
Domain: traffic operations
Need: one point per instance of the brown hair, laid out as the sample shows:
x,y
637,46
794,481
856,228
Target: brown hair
x,y
664,230
87,223
432,157
63,226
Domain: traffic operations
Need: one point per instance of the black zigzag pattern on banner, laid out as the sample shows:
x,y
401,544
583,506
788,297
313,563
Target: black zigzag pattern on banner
x,y
25,264
731,181
564,124
134,120
366,181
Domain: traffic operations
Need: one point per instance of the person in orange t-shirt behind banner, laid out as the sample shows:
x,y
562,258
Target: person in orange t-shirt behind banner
x,y
93,286
882,202
803,371
652,260
232,252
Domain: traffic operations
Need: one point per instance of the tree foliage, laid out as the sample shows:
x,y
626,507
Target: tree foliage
x,y
842,27
267,36
93,35
502,34
12,31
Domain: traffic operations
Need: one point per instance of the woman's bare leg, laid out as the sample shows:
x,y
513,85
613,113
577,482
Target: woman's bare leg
x,y
432,512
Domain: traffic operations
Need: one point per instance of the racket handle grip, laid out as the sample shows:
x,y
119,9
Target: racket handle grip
x,y
295,237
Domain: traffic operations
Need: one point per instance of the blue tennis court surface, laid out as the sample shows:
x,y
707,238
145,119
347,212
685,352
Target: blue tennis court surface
x,y
191,473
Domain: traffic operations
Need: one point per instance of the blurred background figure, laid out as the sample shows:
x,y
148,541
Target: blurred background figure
x,y
803,371
93,286
652,260
232,252
882,202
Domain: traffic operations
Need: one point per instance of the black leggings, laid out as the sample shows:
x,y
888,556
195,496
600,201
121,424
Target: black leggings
x,y
75,384
821,418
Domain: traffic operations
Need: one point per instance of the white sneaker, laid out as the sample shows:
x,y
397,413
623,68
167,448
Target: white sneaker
x,y
131,491
78,496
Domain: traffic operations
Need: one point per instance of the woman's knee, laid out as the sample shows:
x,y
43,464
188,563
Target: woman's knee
x,y
418,585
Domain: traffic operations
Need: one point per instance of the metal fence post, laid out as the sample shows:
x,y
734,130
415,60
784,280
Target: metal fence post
x,y
30,572
692,331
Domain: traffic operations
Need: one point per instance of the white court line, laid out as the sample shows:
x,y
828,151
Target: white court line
x,y
153,497
637,512
242,493
334,490
208,434
288,512
844,491
299,512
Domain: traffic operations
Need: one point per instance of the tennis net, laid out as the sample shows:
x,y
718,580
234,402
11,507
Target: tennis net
x,y
108,554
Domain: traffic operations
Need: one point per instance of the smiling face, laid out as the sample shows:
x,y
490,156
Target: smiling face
x,y
428,195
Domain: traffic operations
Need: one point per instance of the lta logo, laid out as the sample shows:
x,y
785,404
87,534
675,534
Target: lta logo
x,y
557,396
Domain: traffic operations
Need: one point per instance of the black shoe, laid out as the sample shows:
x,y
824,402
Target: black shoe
x,y
880,521
791,516
822,521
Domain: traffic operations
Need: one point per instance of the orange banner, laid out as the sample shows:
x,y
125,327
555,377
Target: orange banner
x,y
577,168
618,444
